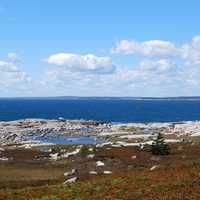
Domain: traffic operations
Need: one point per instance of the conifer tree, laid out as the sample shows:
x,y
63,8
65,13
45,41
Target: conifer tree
x,y
159,147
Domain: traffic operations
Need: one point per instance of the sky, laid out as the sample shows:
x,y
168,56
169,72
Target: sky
x,y
99,48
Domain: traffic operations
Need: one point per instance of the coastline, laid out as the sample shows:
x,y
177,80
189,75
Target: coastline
x,y
23,131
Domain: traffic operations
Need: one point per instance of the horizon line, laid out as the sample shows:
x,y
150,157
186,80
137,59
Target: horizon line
x,y
143,97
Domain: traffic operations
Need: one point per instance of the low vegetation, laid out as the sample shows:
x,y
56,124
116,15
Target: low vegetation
x,y
159,147
136,174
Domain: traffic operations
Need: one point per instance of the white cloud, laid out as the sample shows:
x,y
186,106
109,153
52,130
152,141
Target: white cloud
x,y
162,70
82,63
11,78
133,81
191,51
13,58
147,48
158,66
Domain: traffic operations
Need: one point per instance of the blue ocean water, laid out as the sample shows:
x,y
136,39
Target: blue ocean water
x,y
104,110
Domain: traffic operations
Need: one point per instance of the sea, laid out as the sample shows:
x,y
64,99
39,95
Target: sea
x,y
106,110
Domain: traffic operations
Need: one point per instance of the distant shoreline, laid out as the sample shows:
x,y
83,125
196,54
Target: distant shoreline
x,y
190,98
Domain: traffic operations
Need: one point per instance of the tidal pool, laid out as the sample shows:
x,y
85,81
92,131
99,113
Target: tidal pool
x,y
68,139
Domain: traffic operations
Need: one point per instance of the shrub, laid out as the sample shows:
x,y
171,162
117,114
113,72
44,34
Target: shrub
x,y
159,147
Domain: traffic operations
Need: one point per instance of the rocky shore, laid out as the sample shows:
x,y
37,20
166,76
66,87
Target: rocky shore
x,y
19,131
23,131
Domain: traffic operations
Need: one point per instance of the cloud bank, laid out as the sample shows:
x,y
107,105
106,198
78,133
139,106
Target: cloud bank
x,y
163,69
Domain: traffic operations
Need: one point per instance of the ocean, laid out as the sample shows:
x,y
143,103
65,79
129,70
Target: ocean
x,y
108,110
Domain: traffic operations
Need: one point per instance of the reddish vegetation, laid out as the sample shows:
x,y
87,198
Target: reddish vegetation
x,y
177,177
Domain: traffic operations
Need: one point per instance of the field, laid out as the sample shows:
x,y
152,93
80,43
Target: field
x,y
136,174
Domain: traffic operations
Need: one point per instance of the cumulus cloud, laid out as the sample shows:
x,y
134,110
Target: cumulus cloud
x,y
147,48
11,77
191,52
158,66
125,81
82,63
163,70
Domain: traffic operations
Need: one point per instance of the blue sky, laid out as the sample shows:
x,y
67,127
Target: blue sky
x,y
99,48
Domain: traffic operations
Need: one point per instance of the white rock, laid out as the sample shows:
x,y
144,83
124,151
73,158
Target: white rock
x,y
71,180
104,144
195,134
66,155
90,156
26,146
99,164
54,156
67,173
70,173
93,172
107,172
63,150
172,141
3,159
30,145
116,145
46,150
145,136
133,157
154,167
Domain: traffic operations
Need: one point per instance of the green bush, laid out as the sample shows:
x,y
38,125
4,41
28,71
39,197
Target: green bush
x,y
159,147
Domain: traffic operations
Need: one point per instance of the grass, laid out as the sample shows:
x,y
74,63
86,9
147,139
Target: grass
x,y
142,185
177,178
177,184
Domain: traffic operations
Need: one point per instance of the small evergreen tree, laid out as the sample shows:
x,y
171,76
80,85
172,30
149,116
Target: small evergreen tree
x,y
159,147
